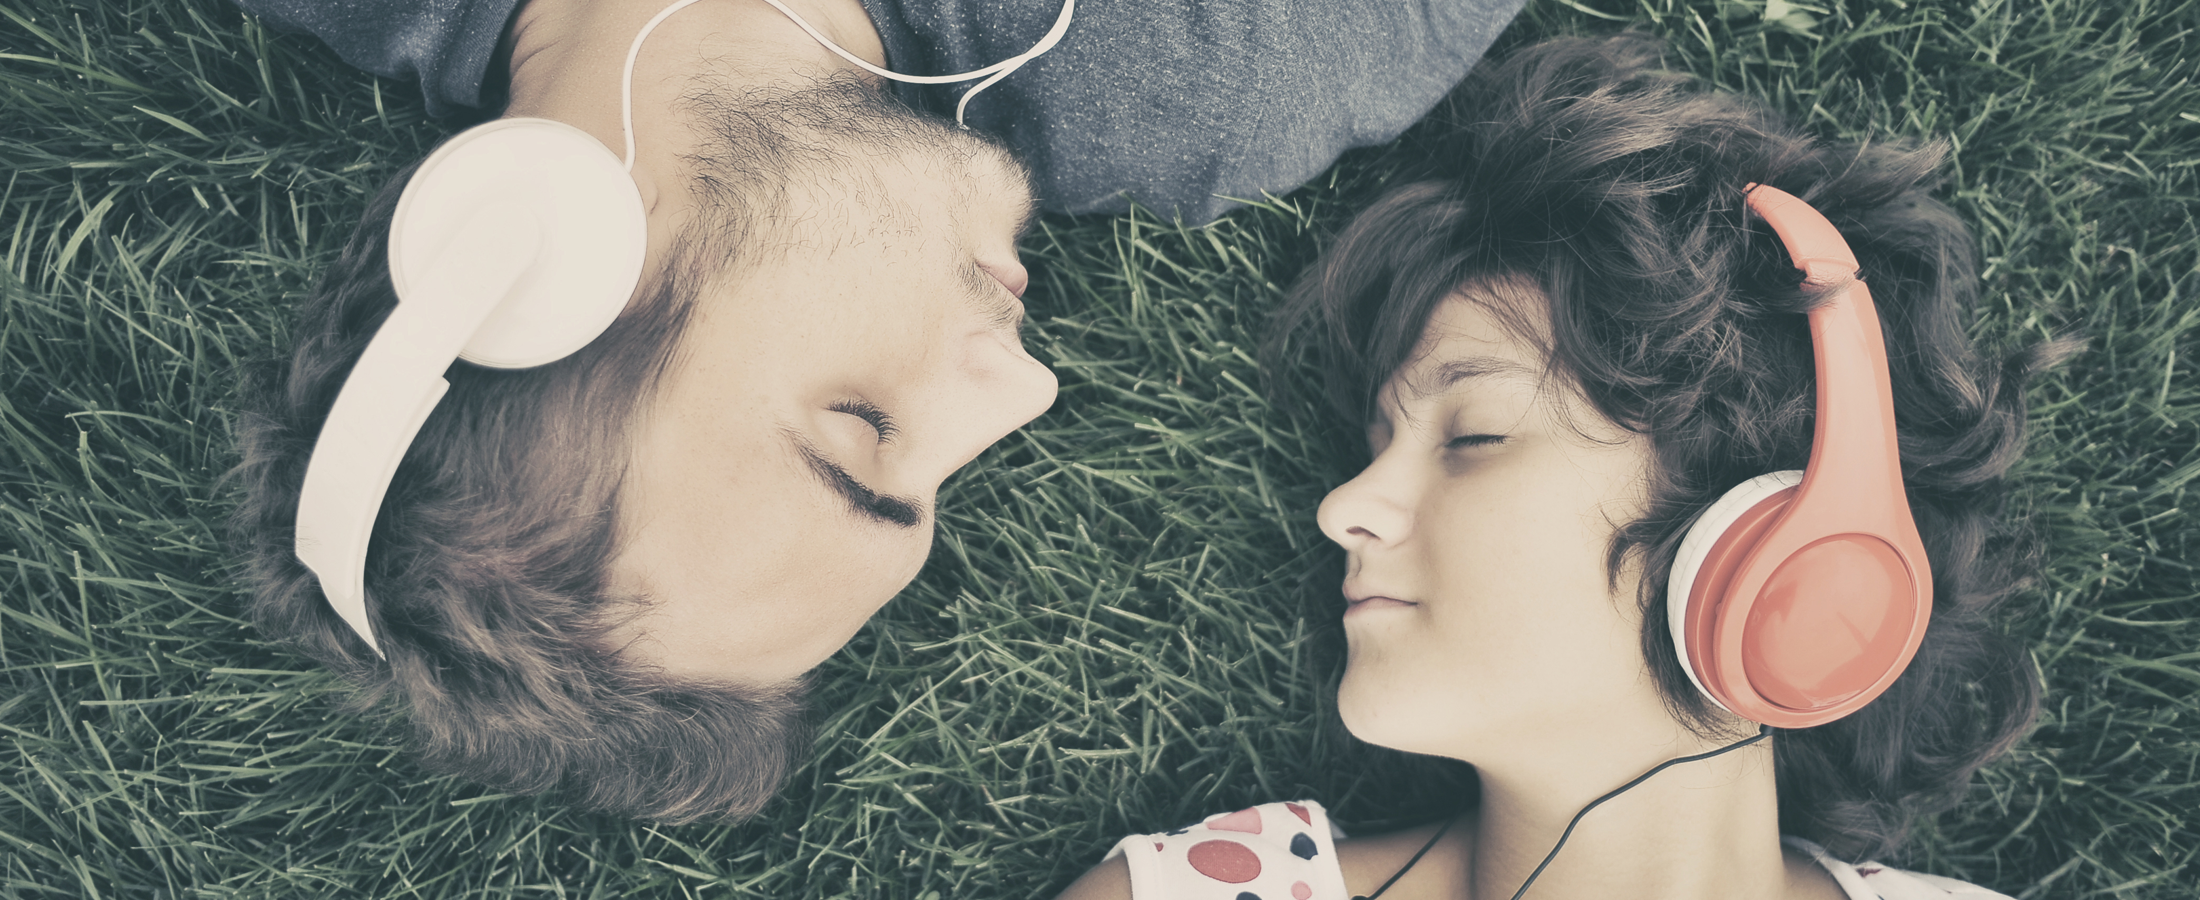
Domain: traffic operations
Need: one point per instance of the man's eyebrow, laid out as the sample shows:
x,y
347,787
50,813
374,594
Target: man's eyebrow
x,y
900,512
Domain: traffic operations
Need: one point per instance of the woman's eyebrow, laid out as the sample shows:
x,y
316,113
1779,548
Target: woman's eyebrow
x,y
1448,375
1465,368
900,512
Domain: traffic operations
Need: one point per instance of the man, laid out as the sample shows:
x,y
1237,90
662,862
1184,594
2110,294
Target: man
x,y
607,576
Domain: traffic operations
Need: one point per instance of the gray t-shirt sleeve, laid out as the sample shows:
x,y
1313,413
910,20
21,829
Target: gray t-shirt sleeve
x,y
445,45
1177,104
1181,105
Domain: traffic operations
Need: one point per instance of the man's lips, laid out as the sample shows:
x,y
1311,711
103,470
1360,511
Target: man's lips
x,y
1011,275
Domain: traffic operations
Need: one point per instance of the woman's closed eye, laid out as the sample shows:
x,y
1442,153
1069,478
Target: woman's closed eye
x,y
1467,441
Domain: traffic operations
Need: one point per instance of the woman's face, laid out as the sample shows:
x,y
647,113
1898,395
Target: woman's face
x,y
1481,620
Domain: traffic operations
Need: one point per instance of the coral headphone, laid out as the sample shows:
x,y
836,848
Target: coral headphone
x,y
515,244
1799,597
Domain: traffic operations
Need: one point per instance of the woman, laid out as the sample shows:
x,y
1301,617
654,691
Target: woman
x,y
1567,337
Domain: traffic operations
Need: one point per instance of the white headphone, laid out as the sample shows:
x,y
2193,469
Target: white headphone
x,y
515,244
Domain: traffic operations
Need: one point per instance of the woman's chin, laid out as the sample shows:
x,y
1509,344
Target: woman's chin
x,y
1375,715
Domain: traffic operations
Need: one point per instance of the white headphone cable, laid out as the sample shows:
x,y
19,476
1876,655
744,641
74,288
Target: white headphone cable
x,y
992,73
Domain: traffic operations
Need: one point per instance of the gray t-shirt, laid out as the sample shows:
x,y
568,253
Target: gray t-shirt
x,y
1177,104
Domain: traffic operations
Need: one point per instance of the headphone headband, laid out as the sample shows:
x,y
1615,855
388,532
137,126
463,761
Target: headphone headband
x,y
368,428
515,244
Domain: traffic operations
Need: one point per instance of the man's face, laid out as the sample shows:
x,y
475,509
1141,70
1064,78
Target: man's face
x,y
782,479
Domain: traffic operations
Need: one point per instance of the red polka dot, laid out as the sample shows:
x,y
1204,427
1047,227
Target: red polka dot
x,y
1245,820
1300,890
1157,846
1227,861
1301,812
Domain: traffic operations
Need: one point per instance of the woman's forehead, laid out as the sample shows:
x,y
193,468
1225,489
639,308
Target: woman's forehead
x,y
1466,342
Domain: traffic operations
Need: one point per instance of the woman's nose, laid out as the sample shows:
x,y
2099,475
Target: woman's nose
x,y
1364,511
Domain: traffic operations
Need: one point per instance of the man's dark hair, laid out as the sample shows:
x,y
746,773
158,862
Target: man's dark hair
x,y
1579,175
488,572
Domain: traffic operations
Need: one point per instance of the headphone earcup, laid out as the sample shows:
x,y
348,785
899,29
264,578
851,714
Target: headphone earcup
x,y
590,222
1689,620
1790,631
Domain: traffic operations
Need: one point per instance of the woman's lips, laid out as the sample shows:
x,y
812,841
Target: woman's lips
x,y
1370,604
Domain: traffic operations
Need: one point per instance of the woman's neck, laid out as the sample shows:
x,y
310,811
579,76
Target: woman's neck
x,y
1699,830
1703,830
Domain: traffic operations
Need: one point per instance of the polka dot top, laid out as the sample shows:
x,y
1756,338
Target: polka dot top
x,y
1274,851
1288,851
1873,881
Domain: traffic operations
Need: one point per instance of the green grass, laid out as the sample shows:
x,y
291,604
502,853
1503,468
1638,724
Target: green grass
x,y
1113,634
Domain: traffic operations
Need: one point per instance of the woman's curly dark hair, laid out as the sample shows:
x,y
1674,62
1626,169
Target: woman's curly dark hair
x,y
1616,188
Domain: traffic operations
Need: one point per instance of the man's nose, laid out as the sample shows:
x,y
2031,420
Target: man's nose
x,y
1027,390
1002,390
